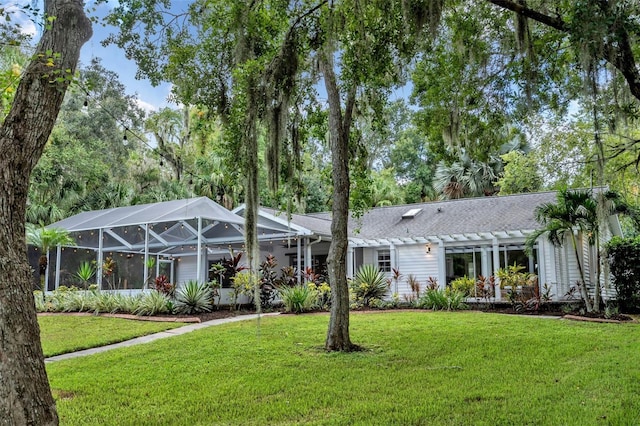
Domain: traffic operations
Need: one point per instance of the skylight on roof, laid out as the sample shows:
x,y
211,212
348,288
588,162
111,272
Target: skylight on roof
x,y
411,213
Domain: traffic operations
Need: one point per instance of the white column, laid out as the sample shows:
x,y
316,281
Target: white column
x,y
99,269
46,275
58,255
199,256
145,274
350,261
298,258
307,255
496,266
442,265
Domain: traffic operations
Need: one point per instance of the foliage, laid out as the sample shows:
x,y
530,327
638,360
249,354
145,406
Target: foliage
x,y
369,284
108,268
298,299
485,287
450,300
227,269
514,277
192,298
520,174
624,260
243,284
414,285
153,303
268,281
45,239
85,272
323,295
534,301
464,285
162,284
432,283
572,210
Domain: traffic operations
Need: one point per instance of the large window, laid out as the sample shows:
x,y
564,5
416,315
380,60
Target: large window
x,y
384,260
463,262
514,254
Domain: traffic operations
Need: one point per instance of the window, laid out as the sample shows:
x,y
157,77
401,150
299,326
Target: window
x,y
463,262
514,254
384,260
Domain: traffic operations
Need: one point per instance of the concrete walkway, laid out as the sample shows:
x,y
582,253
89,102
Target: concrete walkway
x,y
151,337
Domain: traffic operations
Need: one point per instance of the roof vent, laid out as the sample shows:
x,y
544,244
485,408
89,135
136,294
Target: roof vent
x,y
411,213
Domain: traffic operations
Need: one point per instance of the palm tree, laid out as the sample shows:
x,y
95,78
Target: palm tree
x,y
573,210
44,239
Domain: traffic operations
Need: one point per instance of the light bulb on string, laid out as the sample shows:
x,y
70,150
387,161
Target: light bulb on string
x,y
125,141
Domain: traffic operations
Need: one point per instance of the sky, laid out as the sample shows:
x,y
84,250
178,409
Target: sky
x,y
113,58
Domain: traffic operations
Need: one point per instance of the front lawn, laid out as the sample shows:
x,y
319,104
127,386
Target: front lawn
x,y
417,368
60,334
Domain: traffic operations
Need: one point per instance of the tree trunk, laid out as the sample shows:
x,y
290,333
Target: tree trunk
x,y
25,396
338,333
252,199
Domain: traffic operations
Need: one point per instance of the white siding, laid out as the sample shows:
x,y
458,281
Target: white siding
x,y
413,259
185,269
410,260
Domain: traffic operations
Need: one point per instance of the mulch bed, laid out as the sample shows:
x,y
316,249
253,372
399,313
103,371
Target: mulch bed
x,y
226,313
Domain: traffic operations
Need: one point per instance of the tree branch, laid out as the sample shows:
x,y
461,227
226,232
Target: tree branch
x,y
520,9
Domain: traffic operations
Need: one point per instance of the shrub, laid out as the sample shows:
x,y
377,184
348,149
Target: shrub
x,y
450,300
193,298
39,301
297,299
111,303
624,260
369,284
323,295
162,284
464,285
152,303
243,284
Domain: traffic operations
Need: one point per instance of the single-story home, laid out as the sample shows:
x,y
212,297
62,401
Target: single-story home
x,y
439,241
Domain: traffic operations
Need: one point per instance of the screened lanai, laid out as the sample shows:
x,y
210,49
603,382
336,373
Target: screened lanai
x,y
129,246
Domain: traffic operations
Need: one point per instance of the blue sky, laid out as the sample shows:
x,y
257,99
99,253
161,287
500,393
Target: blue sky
x,y
113,58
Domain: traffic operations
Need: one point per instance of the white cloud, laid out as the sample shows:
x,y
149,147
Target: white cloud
x,y
20,18
146,105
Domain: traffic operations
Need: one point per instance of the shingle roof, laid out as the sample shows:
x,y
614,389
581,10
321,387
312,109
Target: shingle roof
x,y
463,216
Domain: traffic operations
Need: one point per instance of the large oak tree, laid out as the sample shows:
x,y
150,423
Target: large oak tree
x,y
25,397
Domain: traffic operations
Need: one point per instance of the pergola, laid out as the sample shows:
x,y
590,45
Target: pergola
x,y
165,230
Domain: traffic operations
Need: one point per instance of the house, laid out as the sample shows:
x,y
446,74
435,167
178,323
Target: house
x,y
439,240
444,240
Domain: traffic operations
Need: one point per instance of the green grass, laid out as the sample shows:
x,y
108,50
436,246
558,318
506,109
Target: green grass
x,y
60,334
418,368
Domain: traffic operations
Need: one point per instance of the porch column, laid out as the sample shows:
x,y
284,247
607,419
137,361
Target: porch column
x,y
307,254
298,258
542,270
350,261
496,266
442,265
199,255
145,274
58,255
99,268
